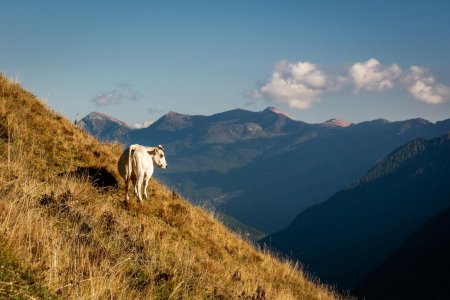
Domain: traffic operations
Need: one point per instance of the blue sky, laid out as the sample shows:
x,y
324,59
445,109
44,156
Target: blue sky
x,y
136,60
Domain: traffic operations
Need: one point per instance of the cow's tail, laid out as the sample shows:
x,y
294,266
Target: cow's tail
x,y
130,151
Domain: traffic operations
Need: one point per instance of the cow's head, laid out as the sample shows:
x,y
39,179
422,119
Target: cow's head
x,y
159,157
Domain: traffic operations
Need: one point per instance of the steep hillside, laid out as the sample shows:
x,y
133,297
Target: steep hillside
x,y
419,269
346,237
17,283
263,168
81,240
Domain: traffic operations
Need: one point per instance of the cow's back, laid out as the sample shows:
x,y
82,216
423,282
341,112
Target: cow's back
x,y
142,162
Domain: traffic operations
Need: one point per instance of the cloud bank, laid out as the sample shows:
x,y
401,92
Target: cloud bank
x,y
122,93
301,84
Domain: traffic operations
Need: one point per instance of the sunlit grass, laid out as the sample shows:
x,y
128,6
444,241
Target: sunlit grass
x,y
84,242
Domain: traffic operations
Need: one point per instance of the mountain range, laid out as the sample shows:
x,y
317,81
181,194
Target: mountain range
x,y
263,168
347,237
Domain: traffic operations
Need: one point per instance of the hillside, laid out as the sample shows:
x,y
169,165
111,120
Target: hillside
x,y
345,238
419,269
224,158
77,239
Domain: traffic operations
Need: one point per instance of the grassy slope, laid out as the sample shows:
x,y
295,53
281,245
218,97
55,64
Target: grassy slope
x,y
17,283
79,241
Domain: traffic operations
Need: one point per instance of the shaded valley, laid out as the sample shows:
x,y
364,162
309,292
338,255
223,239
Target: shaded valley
x,y
345,238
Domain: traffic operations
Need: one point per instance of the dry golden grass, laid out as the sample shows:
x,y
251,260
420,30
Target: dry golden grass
x,y
84,242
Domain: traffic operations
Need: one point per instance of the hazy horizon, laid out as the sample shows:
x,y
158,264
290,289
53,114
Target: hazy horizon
x,y
139,125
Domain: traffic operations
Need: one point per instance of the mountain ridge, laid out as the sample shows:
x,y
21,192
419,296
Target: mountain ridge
x,y
227,155
337,122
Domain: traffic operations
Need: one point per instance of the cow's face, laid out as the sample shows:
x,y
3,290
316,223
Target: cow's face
x,y
159,157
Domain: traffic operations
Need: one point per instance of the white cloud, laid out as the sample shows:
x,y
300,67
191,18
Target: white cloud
x,y
123,92
301,84
373,76
303,72
297,85
423,86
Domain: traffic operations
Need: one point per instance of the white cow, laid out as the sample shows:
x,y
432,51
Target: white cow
x,y
136,163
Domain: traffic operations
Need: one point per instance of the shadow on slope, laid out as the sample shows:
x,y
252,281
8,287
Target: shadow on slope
x,y
343,239
98,176
419,269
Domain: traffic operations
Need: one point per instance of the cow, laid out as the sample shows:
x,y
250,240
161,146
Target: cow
x,y
136,164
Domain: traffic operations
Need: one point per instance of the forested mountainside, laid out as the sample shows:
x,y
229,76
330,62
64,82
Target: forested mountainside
x,y
345,238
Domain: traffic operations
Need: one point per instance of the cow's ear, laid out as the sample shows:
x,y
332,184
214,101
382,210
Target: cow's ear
x,y
153,151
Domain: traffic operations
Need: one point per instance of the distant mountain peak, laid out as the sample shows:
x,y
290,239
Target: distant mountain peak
x,y
100,116
97,118
381,120
172,116
420,121
173,113
104,127
173,121
337,123
277,111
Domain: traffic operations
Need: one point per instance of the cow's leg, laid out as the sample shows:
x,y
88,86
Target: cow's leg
x,y
147,178
127,181
133,180
139,186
